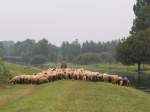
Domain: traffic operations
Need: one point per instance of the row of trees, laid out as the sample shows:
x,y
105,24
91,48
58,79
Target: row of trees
x,y
32,52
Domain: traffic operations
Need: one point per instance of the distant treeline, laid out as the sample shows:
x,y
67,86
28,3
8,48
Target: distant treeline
x,y
32,52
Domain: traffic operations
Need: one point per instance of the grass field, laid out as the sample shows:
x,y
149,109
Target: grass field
x,y
70,96
21,69
73,96
13,70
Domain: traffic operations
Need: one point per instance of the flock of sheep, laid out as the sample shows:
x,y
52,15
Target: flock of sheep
x,y
53,74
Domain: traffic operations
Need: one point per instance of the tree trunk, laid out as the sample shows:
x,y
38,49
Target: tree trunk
x,y
139,73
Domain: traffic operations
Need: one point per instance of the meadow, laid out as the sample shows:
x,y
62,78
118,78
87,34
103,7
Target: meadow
x,y
70,96
73,96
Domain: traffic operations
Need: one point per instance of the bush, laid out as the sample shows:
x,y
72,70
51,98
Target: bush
x,y
4,73
38,59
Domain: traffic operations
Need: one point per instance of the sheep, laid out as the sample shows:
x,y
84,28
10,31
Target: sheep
x,y
49,75
84,77
21,79
116,79
95,76
59,75
76,75
27,79
106,77
14,80
42,80
53,74
39,79
69,73
33,79
125,82
100,77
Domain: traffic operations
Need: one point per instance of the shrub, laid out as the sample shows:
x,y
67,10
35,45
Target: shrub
x,y
4,73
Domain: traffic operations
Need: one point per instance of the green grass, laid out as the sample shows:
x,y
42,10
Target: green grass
x,y
70,95
73,96
16,69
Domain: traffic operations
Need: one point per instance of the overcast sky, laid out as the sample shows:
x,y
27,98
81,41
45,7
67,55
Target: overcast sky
x,y
65,20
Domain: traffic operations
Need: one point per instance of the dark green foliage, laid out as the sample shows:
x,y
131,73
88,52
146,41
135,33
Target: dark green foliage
x,y
142,13
123,52
41,48
70,50
25,51
91,58
1,49
38,59
73,52
52,52
91,46
65,49
75,49
99,47
4,73
135,49
107,57
8,48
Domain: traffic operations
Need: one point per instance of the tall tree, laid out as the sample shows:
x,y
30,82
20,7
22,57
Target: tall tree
x,y
142,16
8,48
52,52
135,49
24,49
65,50
41,48
74,49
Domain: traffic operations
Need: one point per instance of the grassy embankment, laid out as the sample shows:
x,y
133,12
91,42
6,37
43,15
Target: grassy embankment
x,y
70,96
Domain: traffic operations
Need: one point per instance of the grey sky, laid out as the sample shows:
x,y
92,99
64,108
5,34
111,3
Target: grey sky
x,y
61,20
